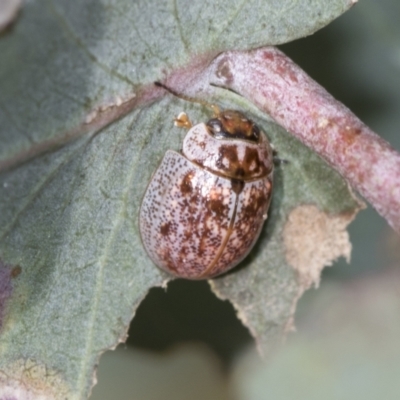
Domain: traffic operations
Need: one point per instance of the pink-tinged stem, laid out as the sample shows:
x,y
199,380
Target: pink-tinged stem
x,y
276,85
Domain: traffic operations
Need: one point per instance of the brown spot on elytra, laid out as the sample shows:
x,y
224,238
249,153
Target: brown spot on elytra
x,y
194,200
165,228
216,206
186,185
260,202
257,203
184,250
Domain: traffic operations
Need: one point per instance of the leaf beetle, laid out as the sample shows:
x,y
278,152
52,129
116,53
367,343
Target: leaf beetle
x,y
205,206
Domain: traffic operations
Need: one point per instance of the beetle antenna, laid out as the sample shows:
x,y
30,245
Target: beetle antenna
x,y
187,98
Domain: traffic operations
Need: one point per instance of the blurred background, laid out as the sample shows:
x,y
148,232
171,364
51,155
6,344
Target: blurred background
x,y
185,343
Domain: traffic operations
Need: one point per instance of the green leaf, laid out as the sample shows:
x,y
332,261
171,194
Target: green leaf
x,y
73,268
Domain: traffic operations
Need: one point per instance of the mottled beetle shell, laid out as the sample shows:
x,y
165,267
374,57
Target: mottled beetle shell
x,y
204,208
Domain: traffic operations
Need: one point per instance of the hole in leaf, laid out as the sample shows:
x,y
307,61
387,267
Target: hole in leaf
x,y
188,312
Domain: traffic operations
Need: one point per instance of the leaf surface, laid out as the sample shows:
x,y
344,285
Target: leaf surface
x,y
73,268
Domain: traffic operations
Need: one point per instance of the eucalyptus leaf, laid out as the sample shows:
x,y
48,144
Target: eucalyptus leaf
x,y
72,265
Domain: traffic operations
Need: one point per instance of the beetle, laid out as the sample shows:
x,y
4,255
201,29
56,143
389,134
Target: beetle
x,y
205,205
